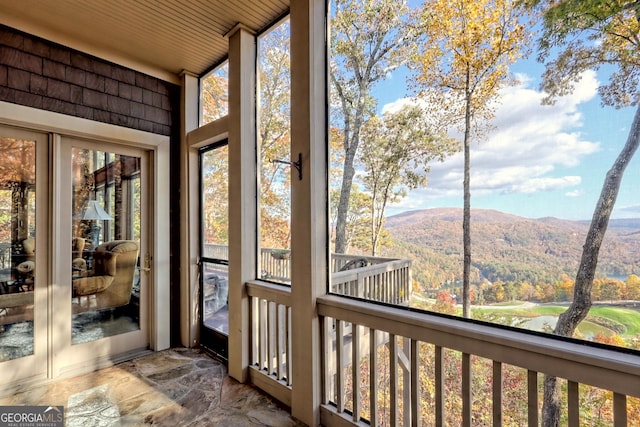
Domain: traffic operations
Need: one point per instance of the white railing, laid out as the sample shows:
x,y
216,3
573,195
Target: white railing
x,y
417,367
275,265
216,251
389,282
385,365
376,278
270,308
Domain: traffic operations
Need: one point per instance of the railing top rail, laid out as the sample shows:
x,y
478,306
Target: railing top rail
x,y
269,291
372,259
370,270
610,369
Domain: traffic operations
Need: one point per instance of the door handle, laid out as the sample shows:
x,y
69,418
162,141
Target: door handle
x,y
147,263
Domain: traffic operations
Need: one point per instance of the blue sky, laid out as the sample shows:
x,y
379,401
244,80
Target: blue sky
x,y
539,160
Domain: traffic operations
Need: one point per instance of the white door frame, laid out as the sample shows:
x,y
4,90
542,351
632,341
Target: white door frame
x,y
33,368
158,145
70,358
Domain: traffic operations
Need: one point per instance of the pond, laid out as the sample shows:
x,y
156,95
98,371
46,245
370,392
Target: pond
x,y
540,323
586,329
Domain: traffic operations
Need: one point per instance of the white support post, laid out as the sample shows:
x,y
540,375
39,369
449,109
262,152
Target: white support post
x,y
309,248
242,194
189,106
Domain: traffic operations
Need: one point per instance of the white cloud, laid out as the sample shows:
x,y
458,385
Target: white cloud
x,y
575,193
632,211
527,151
536,185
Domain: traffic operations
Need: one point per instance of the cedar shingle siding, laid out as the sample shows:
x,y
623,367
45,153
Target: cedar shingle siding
x,y
44,75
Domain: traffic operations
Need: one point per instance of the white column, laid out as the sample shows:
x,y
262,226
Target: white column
x,y
242,194
189,113
308,199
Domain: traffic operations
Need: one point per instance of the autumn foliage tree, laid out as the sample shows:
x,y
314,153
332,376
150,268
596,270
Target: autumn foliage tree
x,y
396,151
589,34
17,180
274,136
357,235
214,94
632,287
369,39
462,63
215,197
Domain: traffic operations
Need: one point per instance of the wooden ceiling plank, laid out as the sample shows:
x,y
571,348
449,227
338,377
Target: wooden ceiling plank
x,y
169,35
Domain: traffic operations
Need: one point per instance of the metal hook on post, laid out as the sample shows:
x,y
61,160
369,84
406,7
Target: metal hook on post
x,y
297,165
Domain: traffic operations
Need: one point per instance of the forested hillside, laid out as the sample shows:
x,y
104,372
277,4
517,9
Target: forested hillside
x,y
506,247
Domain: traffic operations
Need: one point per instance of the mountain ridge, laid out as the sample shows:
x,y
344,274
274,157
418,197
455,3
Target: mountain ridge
x,y
508,247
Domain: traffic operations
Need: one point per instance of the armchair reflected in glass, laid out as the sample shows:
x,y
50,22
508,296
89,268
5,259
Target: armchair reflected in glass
x,y
109,283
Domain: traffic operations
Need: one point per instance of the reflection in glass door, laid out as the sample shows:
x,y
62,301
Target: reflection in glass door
x,y
71,294
105,245
23,174
214,259
17,246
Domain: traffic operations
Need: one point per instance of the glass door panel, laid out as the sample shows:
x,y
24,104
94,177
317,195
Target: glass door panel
x,y
17,246
105,244
87,304
22,333
100,306
214,173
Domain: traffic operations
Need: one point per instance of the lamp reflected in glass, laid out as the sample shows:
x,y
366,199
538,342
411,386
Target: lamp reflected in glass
x,y
94,212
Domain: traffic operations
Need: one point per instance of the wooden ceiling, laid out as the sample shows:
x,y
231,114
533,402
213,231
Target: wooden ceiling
x,y
159,37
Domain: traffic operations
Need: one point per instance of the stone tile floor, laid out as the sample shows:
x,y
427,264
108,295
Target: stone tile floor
x,y
177,387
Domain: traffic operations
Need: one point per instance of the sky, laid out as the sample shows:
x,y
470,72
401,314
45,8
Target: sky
x,y
538,160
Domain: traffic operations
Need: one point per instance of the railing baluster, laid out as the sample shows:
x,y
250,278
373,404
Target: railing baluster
x,y
466,390
263,334
619,410
355,371
271,337
385,293
405,368
415,383
373,375
289,347
325,343
280,336
574,404
339,365
497,394
439,380
396,292
532,398
393,380
255,330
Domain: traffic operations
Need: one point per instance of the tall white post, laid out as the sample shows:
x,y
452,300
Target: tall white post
x,y
309,232
189,108
242,194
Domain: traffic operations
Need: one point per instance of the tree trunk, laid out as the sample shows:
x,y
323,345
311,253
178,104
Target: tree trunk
x,y
466,234
466,214
579,308
343,205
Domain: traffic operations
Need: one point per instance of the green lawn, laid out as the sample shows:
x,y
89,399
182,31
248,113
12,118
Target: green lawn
x,y
587,329
629,318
